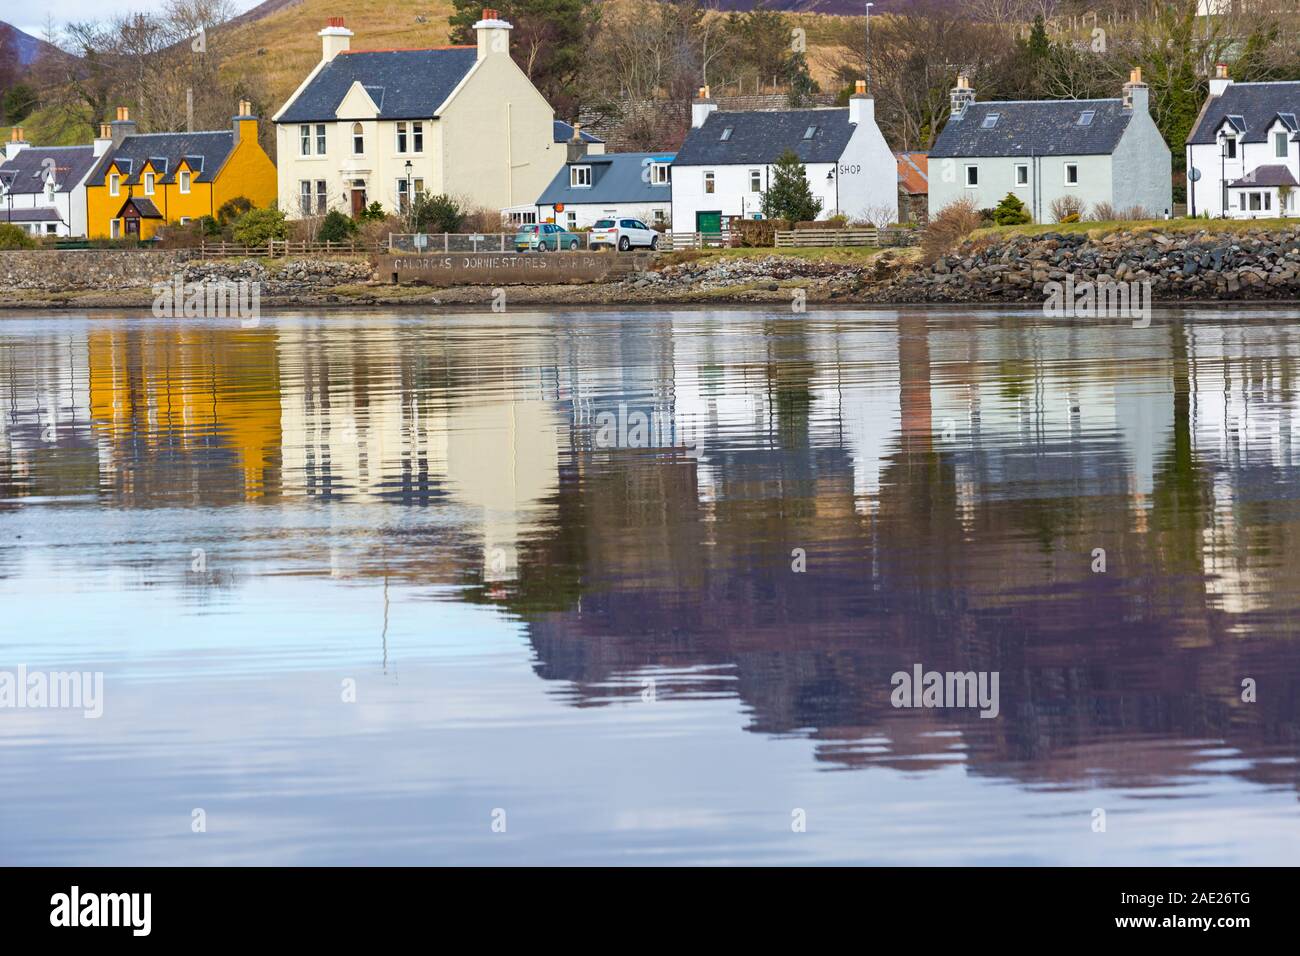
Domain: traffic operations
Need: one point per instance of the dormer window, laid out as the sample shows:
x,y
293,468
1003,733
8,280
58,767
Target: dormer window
x,y
114,184
148,184
1229,146
810,132
990,121
659,174
579,176
184,179
726,133
1279,145
1085,118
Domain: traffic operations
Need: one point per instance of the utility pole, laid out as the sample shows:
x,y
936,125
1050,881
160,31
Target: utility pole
x,y
868,57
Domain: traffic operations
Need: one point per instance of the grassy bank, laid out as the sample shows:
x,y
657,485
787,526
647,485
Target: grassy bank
x,y
1096,230
844,255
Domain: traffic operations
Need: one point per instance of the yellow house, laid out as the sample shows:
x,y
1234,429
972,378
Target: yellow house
x,y
147,180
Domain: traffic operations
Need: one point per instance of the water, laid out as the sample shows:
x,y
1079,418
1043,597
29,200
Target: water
x,y
607,650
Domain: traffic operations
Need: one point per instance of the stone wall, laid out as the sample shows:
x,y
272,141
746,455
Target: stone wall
x,y
98,270
1254,263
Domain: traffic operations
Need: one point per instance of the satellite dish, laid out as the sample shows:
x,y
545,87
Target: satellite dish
x,y
1194,174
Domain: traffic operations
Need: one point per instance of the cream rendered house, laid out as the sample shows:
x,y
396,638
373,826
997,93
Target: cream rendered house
x,y
382,125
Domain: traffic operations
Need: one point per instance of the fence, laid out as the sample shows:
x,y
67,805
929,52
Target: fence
x,y
864,236
447,242
279,248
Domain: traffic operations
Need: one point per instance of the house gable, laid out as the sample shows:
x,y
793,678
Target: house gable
x,y
359,103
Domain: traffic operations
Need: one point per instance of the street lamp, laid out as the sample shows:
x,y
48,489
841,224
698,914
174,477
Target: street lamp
x,y
410,199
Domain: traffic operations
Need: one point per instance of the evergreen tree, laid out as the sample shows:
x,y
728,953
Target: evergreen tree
x,y
1011,212
790,196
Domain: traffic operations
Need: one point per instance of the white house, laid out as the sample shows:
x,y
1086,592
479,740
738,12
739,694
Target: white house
x,y
725,164
1093,151
43,188
381,125
592,186
1243,154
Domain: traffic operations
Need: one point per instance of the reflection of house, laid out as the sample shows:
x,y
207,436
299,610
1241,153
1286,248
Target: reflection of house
x,y
381,125
1245,150
43,188
147,180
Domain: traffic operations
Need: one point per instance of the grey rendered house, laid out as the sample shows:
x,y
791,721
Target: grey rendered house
x,y
1097,151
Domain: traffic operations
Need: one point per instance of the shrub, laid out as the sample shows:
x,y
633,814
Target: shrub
x,y
15,237
378,230
438,213
373,213
945,231
232,209
1103,212
753,232
1011,212
1066,209
336,227
259,226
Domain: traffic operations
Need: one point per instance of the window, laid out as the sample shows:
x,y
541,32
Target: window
x,y
1230,147
115,229
322,197
114,182
659,217
1279,145
320,139
755,180
185,220
990,121
358,140
304,196
972,175
417,137
148,184
708,182
1071,174
1022,174
304,139
185,181
1085,118
659,174
810,132
726,133
573,219
416,189
51,229
579,175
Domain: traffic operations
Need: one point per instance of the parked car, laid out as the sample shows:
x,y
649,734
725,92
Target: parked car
x,y
622,234
544,237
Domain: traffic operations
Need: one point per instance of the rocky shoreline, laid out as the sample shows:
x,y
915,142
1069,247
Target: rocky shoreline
x,y
1202,265
1205,265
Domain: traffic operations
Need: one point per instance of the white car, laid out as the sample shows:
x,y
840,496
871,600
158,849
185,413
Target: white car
x,y
622,234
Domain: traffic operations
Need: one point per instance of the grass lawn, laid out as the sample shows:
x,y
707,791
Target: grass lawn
x,y
1096,229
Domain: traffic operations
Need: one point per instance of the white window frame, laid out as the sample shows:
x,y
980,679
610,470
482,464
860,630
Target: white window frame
x,y
148,184
320,139
659,175
115,229
304,197
755,180
1021,168
1230,142
710,182
322,196
304,139
1280,143
417,138
114,184
183,182
972,183
401,138
579,177
1065,172
358,138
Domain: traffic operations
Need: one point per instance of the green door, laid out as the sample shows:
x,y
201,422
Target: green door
x,y
709,222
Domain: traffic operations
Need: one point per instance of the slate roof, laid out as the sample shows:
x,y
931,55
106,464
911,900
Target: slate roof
x,y
615,178
913,173
43,214
564,133
143,206
205,152
71,164
1266,176
1257,104
1034,128
405,84
761,137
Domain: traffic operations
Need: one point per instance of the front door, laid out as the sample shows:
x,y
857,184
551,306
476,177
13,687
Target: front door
x,y
709,222
358,202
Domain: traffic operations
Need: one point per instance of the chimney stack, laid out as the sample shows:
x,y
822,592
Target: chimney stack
x,y
334,39
577,146
16,143
123,126
961,96
245,123
1220,82
1136,94
493,34
104,140
862,108
701,108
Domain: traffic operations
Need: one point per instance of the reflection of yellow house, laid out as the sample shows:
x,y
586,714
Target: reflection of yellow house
x,y
188,391
144,181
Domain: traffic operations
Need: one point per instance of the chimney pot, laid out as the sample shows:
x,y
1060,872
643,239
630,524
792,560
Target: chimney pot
x,y
1221,71
489,13
1135,75
16,134
860,87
